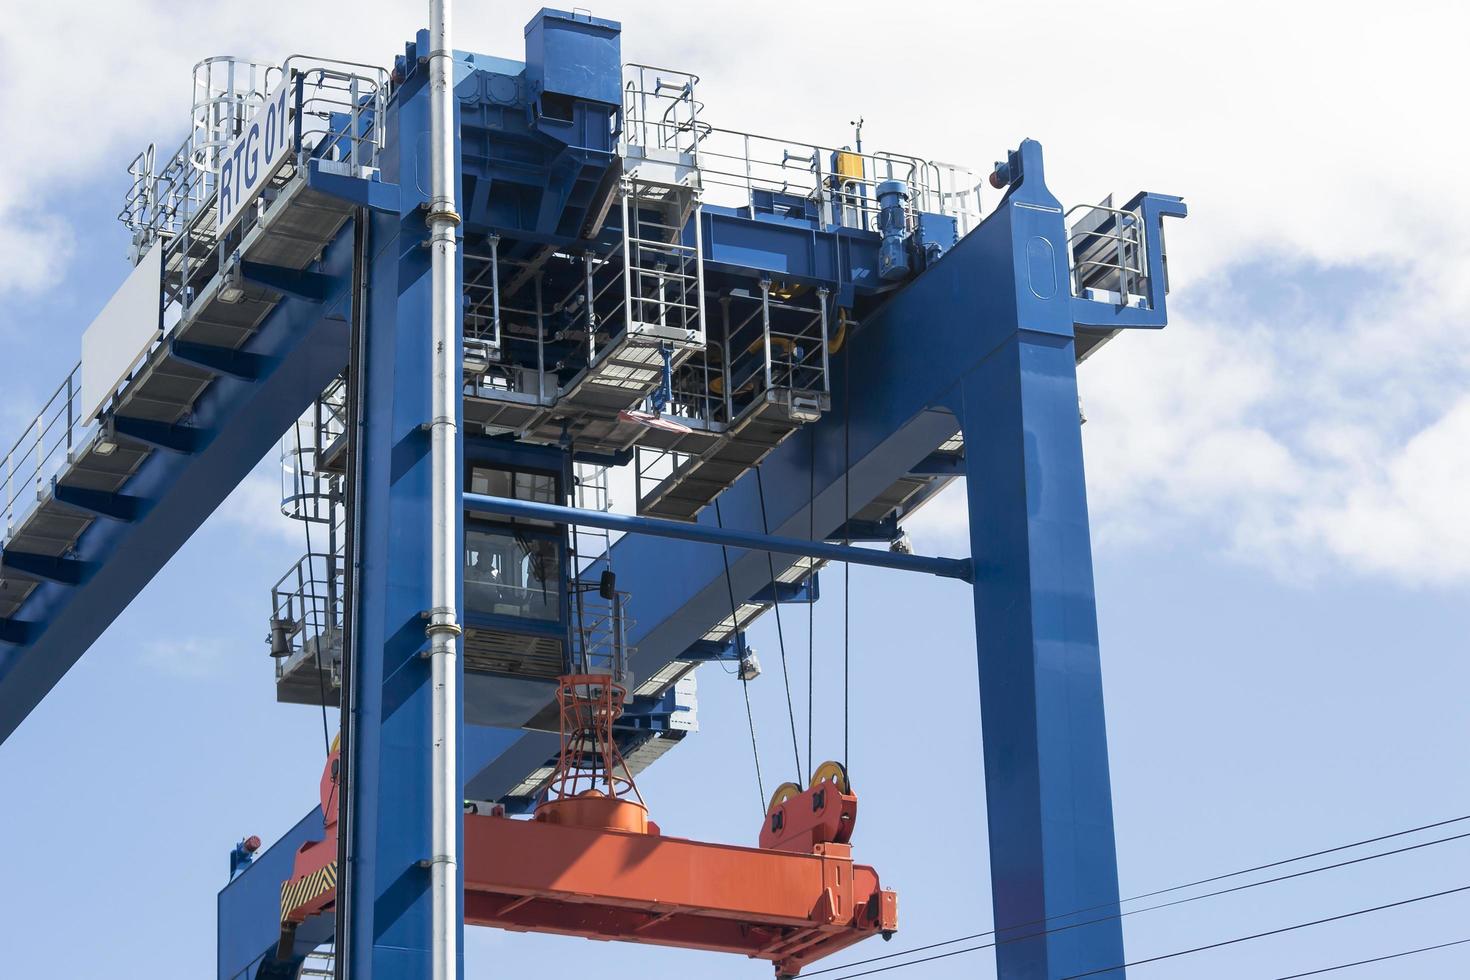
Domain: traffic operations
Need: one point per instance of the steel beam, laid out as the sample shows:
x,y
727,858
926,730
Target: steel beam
x,y
958,568
983,339
233,424
389,841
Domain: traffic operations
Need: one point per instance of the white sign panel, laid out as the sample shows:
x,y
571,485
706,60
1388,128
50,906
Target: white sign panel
x,y
262,148
122,333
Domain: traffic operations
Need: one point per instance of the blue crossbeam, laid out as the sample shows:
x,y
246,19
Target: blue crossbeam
x,y
958,568
233,424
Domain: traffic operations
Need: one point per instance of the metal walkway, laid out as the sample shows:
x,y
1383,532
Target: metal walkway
x,y
91,503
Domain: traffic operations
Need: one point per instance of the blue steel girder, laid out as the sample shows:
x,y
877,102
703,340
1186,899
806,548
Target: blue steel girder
x,y
293,355
1152,209
996,309
246,951
982,340
787,248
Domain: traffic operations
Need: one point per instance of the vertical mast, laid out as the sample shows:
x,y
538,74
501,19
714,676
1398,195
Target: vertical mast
x,y
443,628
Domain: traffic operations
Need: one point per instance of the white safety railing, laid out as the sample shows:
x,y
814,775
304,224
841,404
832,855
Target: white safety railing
x,y
1108,251
306,610
660,111
43,451
338,110
841,184
600,633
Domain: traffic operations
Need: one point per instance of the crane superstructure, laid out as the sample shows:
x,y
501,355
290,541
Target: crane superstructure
x,y
790,347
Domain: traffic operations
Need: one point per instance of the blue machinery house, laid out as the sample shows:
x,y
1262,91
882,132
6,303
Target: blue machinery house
x,y
847,324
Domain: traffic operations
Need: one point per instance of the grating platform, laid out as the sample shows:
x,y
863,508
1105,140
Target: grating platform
x,y
150,412
697,480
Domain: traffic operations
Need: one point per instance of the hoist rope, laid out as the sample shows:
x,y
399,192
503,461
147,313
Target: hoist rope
x,y
760,485
755,754
847,541
811,609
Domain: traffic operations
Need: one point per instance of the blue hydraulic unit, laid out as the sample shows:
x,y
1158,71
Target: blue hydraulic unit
x,y
781,345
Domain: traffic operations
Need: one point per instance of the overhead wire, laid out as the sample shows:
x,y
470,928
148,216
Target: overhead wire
x,y
1271,932
1175,888
760,485
1375,959
744,682
1163,956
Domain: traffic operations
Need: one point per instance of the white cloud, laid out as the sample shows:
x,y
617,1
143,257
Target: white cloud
x,y
187,657
1412,518
34,250
255,507
1302,434
1297,434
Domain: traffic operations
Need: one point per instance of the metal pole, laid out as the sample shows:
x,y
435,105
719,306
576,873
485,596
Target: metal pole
x,y
957,568
630,312
766,328
443,629
495,288
699,265
540,346
40,452
725,361
70,413
591,314
826,365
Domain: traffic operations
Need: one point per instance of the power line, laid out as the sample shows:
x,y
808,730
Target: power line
x,y
1164,956
1175,888
1150,908
1376,959
1271,932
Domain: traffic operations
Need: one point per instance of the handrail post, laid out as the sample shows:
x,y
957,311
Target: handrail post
x,y
70,413
40,450
766,329
822,294
725,361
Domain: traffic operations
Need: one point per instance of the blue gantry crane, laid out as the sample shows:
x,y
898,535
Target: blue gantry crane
x,y
465,293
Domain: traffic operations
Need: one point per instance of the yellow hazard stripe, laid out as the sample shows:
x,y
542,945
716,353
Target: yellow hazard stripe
x,y
298,891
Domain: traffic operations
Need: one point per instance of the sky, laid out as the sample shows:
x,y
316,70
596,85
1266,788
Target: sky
x,y
1278,481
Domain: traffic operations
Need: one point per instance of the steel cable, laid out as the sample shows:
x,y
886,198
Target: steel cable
x,y
760,485
1375,959
1164,956
744,683
1180,887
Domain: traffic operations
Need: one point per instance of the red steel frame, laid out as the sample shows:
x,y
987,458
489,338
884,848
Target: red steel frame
x,y
789,908
591,864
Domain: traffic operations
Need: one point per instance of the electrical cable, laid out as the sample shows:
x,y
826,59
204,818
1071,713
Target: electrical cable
x,y
1183,901
1376,959
744,684
1164,956
760,485
1150,908
1272,932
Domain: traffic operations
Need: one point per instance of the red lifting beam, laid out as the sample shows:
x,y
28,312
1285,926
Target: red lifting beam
x,y
591,863
789,908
